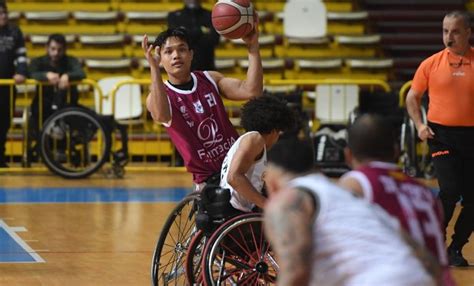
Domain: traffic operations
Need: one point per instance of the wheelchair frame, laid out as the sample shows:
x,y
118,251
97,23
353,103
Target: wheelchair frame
x,y
186,255
66,126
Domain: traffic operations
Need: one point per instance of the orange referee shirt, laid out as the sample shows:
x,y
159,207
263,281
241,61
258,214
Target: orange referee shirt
x,y
449,79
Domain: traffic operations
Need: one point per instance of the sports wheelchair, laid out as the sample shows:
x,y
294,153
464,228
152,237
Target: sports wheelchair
x,y
415,156
206,242
75,142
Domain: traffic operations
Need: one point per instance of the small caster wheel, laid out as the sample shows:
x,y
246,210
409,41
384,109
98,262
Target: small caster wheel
x,y
118,171
411,171
429,172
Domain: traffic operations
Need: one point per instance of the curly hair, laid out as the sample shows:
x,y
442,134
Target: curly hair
x,y
267,113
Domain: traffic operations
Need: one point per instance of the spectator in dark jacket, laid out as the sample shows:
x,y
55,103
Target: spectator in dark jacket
x,y
12,66
204,37
56,70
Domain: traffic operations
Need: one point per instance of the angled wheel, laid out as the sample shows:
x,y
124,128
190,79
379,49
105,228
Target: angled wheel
x,y
170,252
238,254
425,165
74,143
408,141
193,258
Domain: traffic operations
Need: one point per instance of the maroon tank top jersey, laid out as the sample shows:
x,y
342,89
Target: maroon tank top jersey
x,y
413,204
200,128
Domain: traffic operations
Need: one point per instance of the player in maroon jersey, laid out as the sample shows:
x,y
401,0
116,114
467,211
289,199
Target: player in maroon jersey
x,y
189,103
372,152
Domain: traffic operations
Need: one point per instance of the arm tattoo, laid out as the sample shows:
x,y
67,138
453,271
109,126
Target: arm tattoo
x,y
289,226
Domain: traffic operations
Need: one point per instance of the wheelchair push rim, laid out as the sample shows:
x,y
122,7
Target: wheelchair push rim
x,y
169,257
238,254
194,258
74,143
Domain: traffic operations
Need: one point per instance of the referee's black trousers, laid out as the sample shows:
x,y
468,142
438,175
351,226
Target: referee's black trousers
x,y
452,151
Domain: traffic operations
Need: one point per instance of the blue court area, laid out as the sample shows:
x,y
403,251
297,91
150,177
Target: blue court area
x,y
14,250
90,195
11,250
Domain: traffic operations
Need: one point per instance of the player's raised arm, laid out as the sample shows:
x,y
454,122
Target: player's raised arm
x,y
157,101
252,86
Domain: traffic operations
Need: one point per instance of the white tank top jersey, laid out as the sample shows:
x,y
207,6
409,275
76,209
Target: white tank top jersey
x,y
357,244
254,174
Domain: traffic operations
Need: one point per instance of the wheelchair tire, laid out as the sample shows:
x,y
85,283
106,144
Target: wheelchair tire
x,y
75,129
168,261
249,258
193,258
408,147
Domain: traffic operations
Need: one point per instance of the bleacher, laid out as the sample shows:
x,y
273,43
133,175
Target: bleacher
x,y
410,32
110,32
357,45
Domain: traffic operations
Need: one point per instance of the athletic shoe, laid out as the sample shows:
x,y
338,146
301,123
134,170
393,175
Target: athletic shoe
x,y
456,259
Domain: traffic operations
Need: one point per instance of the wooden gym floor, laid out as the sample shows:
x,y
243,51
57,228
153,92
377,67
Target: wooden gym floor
x,y
95,231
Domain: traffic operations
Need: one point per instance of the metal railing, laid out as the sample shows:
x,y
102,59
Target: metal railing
x,y
402,95
20,128
149,145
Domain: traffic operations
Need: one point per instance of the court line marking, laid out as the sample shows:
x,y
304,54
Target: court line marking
x,y
18,228
21,243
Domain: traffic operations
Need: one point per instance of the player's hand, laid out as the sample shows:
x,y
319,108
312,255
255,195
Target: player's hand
x,y
251,39
425,132
19,78
63,82
153,57
53,78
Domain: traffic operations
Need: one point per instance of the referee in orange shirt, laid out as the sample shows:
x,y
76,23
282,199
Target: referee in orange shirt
x,y
448,76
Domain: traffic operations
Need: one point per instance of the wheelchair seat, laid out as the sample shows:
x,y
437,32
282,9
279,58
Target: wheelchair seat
x,y
216,201
214,208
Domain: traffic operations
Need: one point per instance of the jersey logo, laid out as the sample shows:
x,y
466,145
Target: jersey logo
x,y
208,132
198,107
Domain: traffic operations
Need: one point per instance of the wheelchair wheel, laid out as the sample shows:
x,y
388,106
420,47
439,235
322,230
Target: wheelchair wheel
x,y
238,254
193,258
408,142
170,252
74,143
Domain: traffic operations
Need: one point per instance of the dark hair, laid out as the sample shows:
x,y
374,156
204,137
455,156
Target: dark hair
x,y
4,6
372,137
265,114
58,38
293,155
466,18
178,32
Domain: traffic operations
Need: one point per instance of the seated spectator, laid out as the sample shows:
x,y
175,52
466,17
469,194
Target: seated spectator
x,y
56,70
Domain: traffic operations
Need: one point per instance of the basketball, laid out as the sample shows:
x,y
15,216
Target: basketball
x,y
233,19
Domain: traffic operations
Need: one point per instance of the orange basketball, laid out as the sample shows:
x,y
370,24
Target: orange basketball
x,y
233,19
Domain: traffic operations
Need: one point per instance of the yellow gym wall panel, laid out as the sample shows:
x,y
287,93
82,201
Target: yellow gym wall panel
x,y
149,6
51,6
